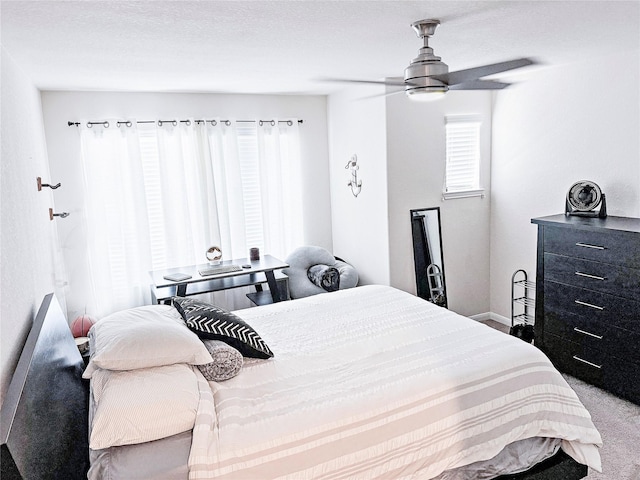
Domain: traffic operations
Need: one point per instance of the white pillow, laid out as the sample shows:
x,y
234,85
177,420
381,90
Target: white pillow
x,y
143,337
138,406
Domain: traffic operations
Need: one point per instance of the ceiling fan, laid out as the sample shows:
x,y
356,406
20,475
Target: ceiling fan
x,y
427,78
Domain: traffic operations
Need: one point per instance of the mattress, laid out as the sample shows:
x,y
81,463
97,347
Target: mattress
x,y
373,382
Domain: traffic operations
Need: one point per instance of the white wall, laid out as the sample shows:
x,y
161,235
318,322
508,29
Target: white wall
x,y
63,144
401,150
563,124
28,250
416,167
360,226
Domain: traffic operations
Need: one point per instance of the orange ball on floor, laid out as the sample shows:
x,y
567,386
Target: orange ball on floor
x,y
81,325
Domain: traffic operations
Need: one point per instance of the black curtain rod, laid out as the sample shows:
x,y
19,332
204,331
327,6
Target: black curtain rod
x,y
128,123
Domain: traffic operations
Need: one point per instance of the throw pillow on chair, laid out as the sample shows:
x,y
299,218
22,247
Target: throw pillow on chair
x,y
325,277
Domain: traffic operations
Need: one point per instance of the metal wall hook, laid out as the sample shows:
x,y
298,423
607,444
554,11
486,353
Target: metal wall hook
x,y
40,184
61,215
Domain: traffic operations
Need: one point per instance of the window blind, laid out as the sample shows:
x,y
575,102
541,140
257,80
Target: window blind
x,y
462,172
251,189
150,161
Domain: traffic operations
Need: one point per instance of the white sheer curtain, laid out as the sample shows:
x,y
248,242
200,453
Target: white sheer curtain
x,y
187,208
280,181
222,141
159,195
116,218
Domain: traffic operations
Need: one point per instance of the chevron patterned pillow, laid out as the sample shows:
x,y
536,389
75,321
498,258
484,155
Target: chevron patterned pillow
x,y
215,323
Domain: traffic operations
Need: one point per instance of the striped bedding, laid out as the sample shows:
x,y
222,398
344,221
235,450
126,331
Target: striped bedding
x,y
373,382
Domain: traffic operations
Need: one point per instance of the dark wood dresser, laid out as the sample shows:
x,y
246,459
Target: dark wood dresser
x,y
588,299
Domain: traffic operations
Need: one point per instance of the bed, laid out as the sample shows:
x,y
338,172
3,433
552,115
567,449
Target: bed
x,y
369,382
44,428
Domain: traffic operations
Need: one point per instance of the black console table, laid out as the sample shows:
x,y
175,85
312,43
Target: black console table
x,y
588,299
266,270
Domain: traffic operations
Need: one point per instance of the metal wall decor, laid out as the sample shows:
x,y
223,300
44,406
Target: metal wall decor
x,y
354,183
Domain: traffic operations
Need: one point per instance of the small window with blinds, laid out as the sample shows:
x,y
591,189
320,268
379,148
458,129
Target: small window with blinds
x,y
462,171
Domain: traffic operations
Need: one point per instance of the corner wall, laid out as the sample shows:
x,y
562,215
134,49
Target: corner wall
x,y
28,248
401,151
360,225
563,124
416,167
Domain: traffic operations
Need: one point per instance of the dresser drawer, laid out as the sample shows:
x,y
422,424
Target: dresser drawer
x,y
614,247
576,359
595,367
601,277
595,307
595,334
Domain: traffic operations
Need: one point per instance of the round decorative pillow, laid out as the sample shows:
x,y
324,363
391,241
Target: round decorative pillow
x,y
324,276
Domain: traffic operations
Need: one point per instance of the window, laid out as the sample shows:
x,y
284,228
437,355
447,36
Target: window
x,y
248,157
462,171
158,196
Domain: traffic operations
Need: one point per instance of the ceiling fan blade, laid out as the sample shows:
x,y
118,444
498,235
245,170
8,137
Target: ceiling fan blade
x,y
479,85
394,82
385,94
462,76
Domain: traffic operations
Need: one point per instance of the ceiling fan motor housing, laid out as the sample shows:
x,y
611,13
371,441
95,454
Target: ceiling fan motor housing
x,y
418,75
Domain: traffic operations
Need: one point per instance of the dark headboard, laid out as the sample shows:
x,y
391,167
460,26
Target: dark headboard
x,y
44,418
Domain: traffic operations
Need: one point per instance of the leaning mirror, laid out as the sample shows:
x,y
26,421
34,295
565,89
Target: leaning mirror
x,y
427,255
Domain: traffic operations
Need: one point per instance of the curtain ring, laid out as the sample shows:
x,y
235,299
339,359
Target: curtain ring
x,y
289,122
175,123
260,123
213,123
188,122
89,125
106,124
227,123
273,123
159,123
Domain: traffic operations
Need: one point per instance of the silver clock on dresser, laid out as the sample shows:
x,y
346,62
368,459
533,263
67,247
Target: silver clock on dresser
x,y
588,299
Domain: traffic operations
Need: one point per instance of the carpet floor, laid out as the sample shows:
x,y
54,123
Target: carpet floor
x,y
618,422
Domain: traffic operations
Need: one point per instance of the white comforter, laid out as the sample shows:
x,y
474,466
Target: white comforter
x,y
374,382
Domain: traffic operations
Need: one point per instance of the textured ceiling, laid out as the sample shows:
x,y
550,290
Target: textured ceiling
x,y
286,46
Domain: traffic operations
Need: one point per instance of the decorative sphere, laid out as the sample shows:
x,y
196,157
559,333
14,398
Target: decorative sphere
x,y
81,325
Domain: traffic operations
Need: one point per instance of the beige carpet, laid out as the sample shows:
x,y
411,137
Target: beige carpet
x,y
618,422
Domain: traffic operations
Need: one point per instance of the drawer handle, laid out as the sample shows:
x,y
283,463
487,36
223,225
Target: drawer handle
x,y
595,277
576,329
575,357
589,305
586,245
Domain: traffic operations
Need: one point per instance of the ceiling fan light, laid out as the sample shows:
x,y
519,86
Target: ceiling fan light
x,y
426,94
